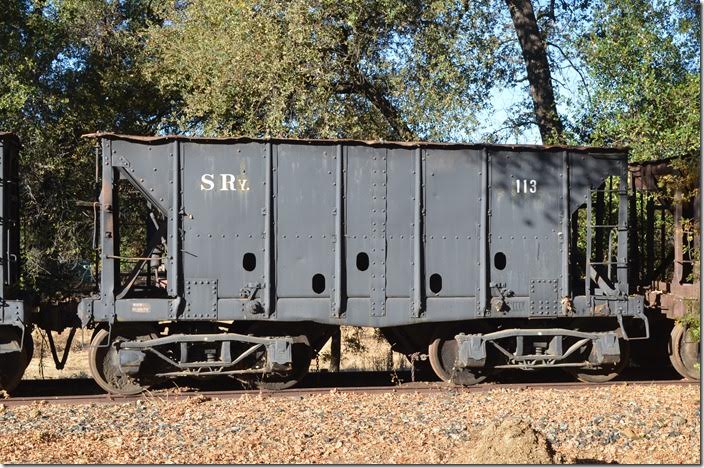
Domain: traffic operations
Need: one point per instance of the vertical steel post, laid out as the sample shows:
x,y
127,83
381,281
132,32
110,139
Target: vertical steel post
x,y
650,237
338,245
678,271
588,256
483,230
108,228
4,247
663,249
270,300
173,273
335,350
565,238
635,276
599,221
418,236
622,249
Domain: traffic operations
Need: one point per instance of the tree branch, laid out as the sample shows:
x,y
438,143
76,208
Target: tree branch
x,y
574,67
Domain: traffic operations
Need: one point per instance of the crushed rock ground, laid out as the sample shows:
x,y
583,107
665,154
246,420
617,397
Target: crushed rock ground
x,y
623,424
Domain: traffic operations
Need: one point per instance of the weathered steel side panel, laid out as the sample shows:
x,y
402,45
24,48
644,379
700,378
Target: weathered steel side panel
x,y
359,259
524,223
304,221
399,218
452,209
589,171
357,233
150,168
223,218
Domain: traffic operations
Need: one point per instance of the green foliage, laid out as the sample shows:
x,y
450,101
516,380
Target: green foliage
x,y
642,58
327,68
645,84
353,341
75,67
692,321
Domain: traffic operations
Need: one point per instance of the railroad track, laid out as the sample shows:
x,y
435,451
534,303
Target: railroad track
x,y
182,393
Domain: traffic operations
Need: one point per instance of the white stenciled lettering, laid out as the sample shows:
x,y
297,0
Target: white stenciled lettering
x,y
526,186
206,182
228,182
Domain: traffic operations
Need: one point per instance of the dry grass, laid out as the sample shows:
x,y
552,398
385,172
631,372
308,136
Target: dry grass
x,y
364,349
42,365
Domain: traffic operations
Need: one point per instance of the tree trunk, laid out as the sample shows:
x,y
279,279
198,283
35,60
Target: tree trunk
x,y
536,59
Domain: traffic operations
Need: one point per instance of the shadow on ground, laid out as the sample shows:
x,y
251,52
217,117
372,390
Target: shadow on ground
x,y
82,386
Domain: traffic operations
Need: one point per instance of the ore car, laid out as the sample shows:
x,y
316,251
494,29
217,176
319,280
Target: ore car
x,y
664,268
15,338
475,257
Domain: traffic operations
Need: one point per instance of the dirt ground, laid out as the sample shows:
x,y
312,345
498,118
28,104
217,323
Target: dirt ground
x,y
621,424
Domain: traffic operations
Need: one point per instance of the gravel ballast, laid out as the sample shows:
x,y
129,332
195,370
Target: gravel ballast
x,y
624,424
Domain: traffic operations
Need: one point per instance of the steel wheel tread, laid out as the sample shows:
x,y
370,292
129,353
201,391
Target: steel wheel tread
x,y
682,355
102,358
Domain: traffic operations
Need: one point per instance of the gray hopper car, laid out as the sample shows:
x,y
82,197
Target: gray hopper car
x,y
474,257
15,339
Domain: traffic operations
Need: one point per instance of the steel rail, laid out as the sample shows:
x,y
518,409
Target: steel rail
x,y
411,387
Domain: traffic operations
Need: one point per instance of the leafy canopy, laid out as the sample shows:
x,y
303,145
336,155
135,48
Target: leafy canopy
x,y
328,68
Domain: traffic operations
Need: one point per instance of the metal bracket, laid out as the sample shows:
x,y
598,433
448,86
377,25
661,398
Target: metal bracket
x,y
472,350
201,299
605,349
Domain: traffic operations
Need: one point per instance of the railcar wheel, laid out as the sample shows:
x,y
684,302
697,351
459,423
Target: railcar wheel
x,y
442,354
607,372
685,353
104,365
13,365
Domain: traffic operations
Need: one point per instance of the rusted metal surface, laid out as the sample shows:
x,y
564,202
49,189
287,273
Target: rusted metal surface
x,y
674,296
645,174
373,143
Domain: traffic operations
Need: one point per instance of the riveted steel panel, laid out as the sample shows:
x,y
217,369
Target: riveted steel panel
x,y
150,168
358,221
378,215
305,224
9,216
11,311
201,299
524,218
222,217
399,223
544,297
589,171
452,204
414,210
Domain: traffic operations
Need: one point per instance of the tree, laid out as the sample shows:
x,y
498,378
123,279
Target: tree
x,y
67,68
535,55
388,69
643,62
